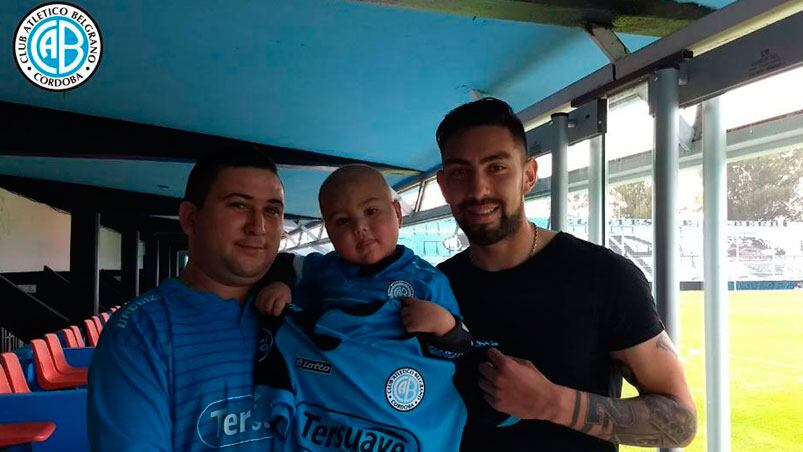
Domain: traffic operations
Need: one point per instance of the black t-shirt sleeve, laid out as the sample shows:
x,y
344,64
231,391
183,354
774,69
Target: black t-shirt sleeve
x,y
629,313
452,345
282,270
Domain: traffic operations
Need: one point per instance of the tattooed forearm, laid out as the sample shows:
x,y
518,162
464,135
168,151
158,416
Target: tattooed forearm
x,y
650,420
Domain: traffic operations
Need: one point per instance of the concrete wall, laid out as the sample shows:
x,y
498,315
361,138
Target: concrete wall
x,y
33,235
109,249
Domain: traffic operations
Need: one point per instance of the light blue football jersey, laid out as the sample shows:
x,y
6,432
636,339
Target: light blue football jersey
x,y
174,370
326,281
345,375
357,381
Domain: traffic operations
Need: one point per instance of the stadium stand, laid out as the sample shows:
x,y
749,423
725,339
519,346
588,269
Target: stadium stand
x,y
13,382
79,339
92,332
57,353
69,337
47,375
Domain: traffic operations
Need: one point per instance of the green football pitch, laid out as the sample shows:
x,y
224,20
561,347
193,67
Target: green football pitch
x,y
766,368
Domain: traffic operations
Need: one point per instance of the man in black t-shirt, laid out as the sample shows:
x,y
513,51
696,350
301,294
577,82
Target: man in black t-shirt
x,y
571,317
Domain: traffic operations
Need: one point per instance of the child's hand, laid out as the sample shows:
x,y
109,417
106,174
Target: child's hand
x,y
272,299
420,316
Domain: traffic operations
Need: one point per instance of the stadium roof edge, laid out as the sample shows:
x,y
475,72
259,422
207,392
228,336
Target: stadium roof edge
x,y
715,29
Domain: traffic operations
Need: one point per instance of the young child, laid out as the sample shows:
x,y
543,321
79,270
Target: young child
x,y
362,220
358,365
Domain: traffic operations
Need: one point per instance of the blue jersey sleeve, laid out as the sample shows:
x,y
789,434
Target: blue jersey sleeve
x,y
128,406
442,294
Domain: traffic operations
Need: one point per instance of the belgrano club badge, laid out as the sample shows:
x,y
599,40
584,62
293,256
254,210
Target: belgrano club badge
x,y
57,46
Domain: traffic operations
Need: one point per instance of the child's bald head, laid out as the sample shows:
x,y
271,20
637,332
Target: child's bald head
x,y
360,214
347,179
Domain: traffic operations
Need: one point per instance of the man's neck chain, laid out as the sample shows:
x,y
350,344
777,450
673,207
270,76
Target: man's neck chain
x,y
529,255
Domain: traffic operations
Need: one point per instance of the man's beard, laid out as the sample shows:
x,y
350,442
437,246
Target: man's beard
x,y
484,235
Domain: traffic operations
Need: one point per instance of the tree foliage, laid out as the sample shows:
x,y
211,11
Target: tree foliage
x,y
764,188
767,188
632,201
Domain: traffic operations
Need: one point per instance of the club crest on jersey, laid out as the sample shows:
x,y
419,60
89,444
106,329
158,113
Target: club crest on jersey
x,y
265,344
398,289
404,389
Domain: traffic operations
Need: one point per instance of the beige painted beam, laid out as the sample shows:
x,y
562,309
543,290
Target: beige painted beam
x,y
645,17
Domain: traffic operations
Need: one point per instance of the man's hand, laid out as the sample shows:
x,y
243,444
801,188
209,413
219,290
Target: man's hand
x,y
514,386
273,298
419,316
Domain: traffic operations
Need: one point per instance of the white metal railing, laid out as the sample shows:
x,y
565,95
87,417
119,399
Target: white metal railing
x,y
8,342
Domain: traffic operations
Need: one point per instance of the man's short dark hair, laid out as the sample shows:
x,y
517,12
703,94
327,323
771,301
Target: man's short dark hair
x,y
207,168
488,111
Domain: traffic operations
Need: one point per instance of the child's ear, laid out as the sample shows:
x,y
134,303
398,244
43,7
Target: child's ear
x,y
397,209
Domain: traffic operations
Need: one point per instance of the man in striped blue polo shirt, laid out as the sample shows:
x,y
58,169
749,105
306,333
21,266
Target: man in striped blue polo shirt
x,y
174,368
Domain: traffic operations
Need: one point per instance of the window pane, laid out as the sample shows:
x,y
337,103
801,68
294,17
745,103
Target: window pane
x,y
537,210
768,98
432,196
408,199
434,241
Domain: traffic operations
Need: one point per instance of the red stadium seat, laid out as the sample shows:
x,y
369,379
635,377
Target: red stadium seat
x,y
69,336
113,308
14,374
5,387
98,325
24,433
92,333
79,339
105,316
60,360
47,375
19,432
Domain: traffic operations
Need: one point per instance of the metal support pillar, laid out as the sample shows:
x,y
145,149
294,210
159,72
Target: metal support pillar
x,y
664,99
559,182
173,261
717,384
150,264
164,260
597,187
84,227
129,262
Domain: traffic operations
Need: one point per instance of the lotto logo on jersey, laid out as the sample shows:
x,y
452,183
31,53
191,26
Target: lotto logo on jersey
x,y
404,389
399,289
318,428
310,365
57,46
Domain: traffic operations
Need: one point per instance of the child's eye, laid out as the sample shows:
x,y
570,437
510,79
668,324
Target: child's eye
x,y
342,221
371,211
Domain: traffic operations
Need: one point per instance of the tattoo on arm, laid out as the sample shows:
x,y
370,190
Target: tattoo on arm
x,y
663,343
650,420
